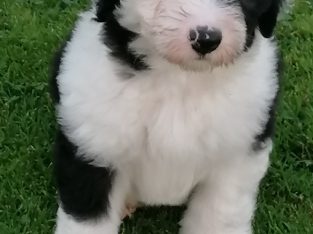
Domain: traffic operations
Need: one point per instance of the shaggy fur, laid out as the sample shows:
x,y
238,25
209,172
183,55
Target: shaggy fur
x,y
145,119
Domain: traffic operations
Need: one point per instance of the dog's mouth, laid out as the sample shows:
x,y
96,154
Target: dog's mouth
x,y
206,62
201,57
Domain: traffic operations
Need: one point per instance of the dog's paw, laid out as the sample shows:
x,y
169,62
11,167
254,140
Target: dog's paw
x,y
128,210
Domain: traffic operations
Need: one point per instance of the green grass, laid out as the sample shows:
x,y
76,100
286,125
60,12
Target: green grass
x,y
30,32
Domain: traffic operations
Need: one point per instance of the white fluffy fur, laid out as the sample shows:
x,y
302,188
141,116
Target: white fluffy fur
x,y
169,131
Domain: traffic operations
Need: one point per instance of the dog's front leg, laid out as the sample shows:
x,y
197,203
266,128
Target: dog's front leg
x,y
91,197
225,202
105,222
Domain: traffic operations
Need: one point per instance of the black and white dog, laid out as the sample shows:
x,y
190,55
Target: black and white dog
x,y
165,102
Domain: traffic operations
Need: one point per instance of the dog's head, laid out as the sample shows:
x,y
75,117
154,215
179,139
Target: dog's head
x,y
189,32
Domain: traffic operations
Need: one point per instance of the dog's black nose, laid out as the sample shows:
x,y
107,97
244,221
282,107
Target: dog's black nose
x,y
204,40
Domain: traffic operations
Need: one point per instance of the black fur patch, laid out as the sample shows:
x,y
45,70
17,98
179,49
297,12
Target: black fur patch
x,y
116,37
261,14
54,89
55,71
268,19
269,127
83,189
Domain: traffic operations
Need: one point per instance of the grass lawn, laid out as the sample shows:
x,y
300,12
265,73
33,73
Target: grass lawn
x,y
30,32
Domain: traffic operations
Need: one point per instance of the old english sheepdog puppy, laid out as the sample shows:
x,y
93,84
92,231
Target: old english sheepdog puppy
x,y
165,102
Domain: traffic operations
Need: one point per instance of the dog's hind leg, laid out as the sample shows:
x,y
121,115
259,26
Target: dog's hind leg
x,y
91,198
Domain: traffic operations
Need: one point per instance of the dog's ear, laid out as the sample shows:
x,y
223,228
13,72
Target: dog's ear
x,y
105,8
262,14
267,20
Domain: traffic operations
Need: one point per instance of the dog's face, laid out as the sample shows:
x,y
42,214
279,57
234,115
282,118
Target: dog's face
x,y
198,32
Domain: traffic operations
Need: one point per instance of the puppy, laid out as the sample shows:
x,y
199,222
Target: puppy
x,y
165,102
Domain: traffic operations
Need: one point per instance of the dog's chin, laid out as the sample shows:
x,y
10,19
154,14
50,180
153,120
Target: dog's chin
x,y
197,65
200,64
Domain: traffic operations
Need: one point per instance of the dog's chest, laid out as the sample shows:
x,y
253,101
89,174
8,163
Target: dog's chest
x,y
178,127
166,115
169,129
185,117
